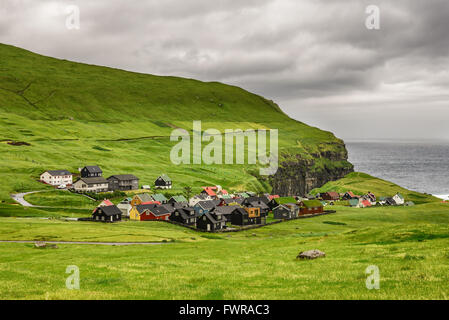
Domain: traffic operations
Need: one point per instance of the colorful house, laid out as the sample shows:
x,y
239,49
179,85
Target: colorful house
x,y
203,207
141,198
146,212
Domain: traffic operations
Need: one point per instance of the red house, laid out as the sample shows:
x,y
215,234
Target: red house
x,y
145,212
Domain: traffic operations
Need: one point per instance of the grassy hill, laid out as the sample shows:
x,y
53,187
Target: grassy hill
x,y
71,114
361,183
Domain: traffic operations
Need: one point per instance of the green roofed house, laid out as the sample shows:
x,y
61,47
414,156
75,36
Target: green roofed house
x,y
226,196
159,197
353,202
163,182
178,199
243,195
310,207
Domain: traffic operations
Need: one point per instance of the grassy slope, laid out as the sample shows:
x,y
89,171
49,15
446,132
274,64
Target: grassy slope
x,y
361,183
75,114
409,245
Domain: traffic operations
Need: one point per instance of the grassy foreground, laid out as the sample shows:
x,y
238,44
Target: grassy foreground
x,y
408,244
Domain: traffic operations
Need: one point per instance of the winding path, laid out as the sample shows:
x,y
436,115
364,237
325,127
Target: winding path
x,y
19,197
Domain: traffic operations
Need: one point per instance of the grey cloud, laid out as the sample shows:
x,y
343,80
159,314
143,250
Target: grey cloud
x,y
314,57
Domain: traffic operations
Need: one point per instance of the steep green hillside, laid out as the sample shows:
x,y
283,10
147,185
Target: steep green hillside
x,y
361,183
71,114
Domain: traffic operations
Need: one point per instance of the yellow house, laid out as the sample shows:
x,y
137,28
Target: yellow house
x,y
253,212
141,198
134,214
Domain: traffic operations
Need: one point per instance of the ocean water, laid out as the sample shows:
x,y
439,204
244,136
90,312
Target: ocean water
x,y
419,166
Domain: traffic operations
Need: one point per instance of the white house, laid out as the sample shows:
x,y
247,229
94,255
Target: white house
x,y
125,207
97,184
57,177
399,199
200,197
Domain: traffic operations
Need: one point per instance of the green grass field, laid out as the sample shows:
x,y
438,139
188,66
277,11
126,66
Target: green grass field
x,y
408,244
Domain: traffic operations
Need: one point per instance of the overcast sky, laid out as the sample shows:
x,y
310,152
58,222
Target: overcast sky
x,y
315,58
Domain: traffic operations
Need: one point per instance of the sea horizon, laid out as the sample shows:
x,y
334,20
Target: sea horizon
x,y
416,165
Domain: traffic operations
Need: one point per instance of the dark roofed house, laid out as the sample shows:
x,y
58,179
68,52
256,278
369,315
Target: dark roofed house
x,y
203,207
258,202
123,182
91,171
163,182
186,215
210,222
93,184
107,214
246,216
286,211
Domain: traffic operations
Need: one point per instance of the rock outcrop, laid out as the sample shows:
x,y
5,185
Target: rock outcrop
x,y
299,174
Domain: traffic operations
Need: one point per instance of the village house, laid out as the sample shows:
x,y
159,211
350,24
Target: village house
x,y
159,197
258,202
245,216
310,207
399,199
197,198
354,202
209,191
57,177
142,198
91,172
203,207
286,211
171,207
185,216
147,212
163,182
349,195
363,203
123,182
211,222
107,214
179,199
98,184
105,203
330,196
125,207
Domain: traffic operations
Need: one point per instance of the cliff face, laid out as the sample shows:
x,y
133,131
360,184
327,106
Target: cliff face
x,y
298,175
